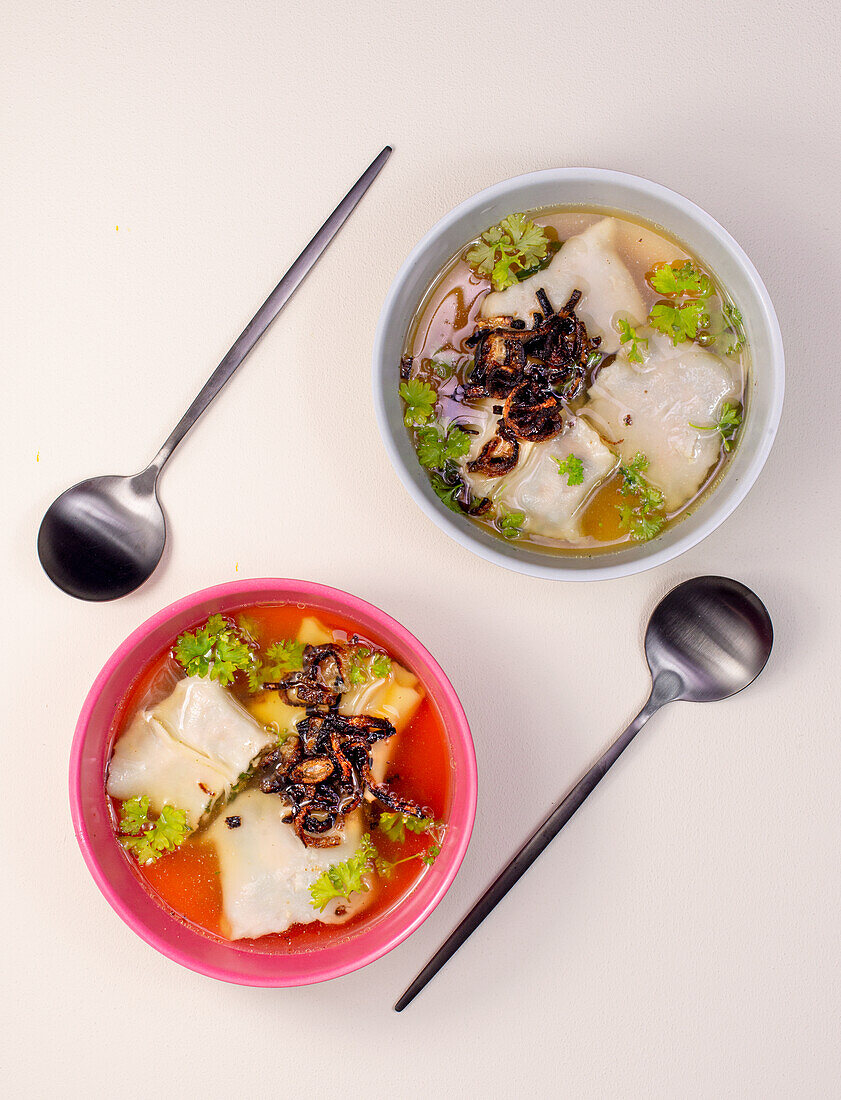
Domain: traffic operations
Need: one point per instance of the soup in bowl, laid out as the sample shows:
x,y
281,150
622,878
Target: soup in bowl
x,y
578,373
273,782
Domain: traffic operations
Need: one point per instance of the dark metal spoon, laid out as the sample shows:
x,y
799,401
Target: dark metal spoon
x,y
104,537
707,639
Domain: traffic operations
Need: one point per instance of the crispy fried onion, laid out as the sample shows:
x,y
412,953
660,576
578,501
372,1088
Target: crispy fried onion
x,y
323,771
532,412
556,348
320,681
499,361
498,456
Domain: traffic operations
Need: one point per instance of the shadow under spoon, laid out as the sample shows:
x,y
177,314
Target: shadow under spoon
x,y
104,537
706,640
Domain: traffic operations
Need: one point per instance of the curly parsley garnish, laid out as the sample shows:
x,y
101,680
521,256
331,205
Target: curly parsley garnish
x,y
435,446
628,335
685,281
148,840
572,467
541,265
420,400
216,649
685,316
735,329
366,664
394,825
681,321
728,424
643,519
515,245
283,657
510,524
343,879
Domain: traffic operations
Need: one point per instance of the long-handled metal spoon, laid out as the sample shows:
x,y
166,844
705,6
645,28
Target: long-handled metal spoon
x,y
104,537
707,639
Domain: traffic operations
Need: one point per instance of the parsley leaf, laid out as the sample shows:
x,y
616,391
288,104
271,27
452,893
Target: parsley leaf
x,y
148,840
381,666
681,322
573,467
135,814
366,665
249,627
728,424
394,825
217,649
447,494
435,447
505,250
510,524
628,335
231,655
343,879
684,281
735,328
420,400
645,527
642,519
194,652
282,657
541,265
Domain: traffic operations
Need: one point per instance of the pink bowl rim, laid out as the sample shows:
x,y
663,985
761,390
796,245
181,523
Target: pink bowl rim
x,y
463,811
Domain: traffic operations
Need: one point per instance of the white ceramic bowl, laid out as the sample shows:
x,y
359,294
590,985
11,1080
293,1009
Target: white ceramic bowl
x,y
594,188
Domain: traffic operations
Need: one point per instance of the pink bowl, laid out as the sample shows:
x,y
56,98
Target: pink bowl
x,y
123,889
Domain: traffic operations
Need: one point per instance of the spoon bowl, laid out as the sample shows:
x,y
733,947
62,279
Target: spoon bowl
x,y
713,633
103,537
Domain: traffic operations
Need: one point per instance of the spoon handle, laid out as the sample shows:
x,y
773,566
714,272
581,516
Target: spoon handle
x,y
270,308
661,693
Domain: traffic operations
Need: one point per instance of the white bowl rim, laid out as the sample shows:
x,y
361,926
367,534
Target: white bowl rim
x,y
613,565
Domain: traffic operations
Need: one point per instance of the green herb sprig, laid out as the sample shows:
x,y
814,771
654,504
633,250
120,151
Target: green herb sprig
x,y
367,664
572,468
735,329
628,335
680,321
643,518
148,840
216,649
343,879
685,281
515,245
729,422
510,524
420,400
435,447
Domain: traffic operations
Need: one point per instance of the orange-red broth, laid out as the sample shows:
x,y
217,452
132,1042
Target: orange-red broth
x,y
187,882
